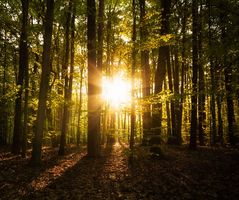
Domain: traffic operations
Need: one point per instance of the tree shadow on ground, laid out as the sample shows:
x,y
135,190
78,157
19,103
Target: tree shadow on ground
x,y
17,177
81,181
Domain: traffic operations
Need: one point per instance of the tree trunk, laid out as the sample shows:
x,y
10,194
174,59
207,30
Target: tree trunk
x,y
177,104
100,35
25,123
184,22
212,74
23,62
228,76
201,98
145,71
66,112
3,105
100,54
219,117
132,133
78,135
193,129
44,85
93,144
163,55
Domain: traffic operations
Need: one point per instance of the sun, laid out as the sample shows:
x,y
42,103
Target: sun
x,y
116,91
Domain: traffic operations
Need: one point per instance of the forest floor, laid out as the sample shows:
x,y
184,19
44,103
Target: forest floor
x,y
207,173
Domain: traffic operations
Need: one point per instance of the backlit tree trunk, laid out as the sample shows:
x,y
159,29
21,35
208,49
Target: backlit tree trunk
x,y
100,54
132,133
44,85
93,144
145,70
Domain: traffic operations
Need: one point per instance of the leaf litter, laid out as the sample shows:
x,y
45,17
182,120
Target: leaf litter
x,y
208,173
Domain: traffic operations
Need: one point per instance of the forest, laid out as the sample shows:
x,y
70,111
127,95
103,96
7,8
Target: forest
x,y
119,99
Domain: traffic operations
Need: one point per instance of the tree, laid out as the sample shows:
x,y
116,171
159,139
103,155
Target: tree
x,y
228,73
23,65
93,144
132,120
193,129
100,51
163,63
145,70
183,65
44,85
213,81
65,118
201,82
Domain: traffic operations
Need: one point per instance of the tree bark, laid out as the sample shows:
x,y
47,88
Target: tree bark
x,y
201,98
193,128
132,133
66,112
23,62
3,105
100,55
44,85
93,144
25,122
163,55
78,135
212,74
178,135
184,23
145,70
228,75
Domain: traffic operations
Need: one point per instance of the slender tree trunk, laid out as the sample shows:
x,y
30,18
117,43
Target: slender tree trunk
x,y
219,117
145,70
228,76
3,105
44,85
67,95
230,106
100,35
212,74
93,145
65,118
172,132
177,104
72,50
193,129
78,135
184,22
72,63
23,62
132,133
100,53
108,42
59,109
201,98
169,121
108,68
25,123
